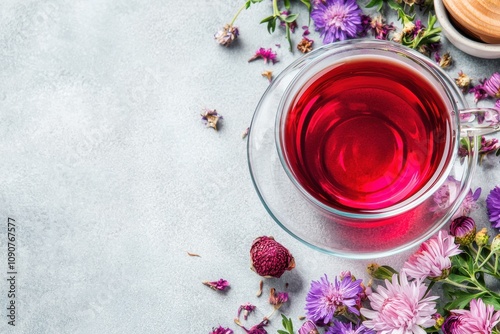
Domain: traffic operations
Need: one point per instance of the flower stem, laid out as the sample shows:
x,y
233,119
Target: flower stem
x,y
448,281
237,13
431,284
485,260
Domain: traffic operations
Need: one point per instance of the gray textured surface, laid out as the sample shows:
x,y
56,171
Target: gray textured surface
x,y
111,176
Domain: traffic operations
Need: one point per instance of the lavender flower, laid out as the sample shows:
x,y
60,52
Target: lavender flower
x,y
227,35
481,318
326,299
493,207
267,54
308,328
464,230
220,285
221,330
400,308
432,259
337,19
492,85
340,327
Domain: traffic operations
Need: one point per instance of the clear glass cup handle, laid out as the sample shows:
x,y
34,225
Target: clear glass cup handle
x,y
479,121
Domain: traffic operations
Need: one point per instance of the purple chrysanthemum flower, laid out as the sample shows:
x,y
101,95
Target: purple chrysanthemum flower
x,y
337,20
400,308
481,318
492,85
432,259
221,330
221,284
326,298
340,327
493,207
308,328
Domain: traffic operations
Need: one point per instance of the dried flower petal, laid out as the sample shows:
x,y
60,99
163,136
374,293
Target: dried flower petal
x,y
227,35
244,134
305,45
256,329
270,258
193,254
220,285
268,74
221,330
445,61
267,54
246,309
380,29
277,298
479,92
261,287
211,117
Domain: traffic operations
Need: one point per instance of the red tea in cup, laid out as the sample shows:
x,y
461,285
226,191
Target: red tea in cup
x,y
366,134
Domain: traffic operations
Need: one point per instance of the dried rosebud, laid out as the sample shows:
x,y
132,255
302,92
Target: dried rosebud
x,y
270,258
220,285
246,309
463,81
308,328
227,35
221,330
464,230
277,298
211,117
495,245
305,45
482,237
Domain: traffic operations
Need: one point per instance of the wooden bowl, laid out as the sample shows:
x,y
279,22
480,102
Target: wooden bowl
x,y
460,39
480,19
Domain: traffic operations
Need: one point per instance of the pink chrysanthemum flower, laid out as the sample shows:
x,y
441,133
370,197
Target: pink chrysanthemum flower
x,y
492,85
400,308
432,260
481,319
337,20
267,54
325,299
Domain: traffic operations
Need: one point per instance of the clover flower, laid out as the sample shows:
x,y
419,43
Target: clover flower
x,y
227,35
481,318
326,299
492,85
267,54
493,207
340,327
432,259
221,330
400,307
337,20
308,328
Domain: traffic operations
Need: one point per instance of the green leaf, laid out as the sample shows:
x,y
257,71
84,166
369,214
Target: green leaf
x,y
307,3
462,300
267,19
375,3
290,18
287,324
287,4
393,4
492,301
458,278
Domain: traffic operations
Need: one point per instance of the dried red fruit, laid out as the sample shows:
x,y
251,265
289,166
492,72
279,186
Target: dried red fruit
x,y
270,258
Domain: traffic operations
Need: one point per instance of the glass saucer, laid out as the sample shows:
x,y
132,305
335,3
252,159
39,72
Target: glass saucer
x,y
320,230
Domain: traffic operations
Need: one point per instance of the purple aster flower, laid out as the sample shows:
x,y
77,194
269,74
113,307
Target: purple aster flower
x,y
400,308
432,259
493,207
469,204
326,299
266,54
340,327
481,318
246,309
220,285
227,35
337,19
308,328
221,330
464,230
492,85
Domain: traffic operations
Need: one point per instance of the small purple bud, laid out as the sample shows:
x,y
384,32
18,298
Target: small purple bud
x,y
464,230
